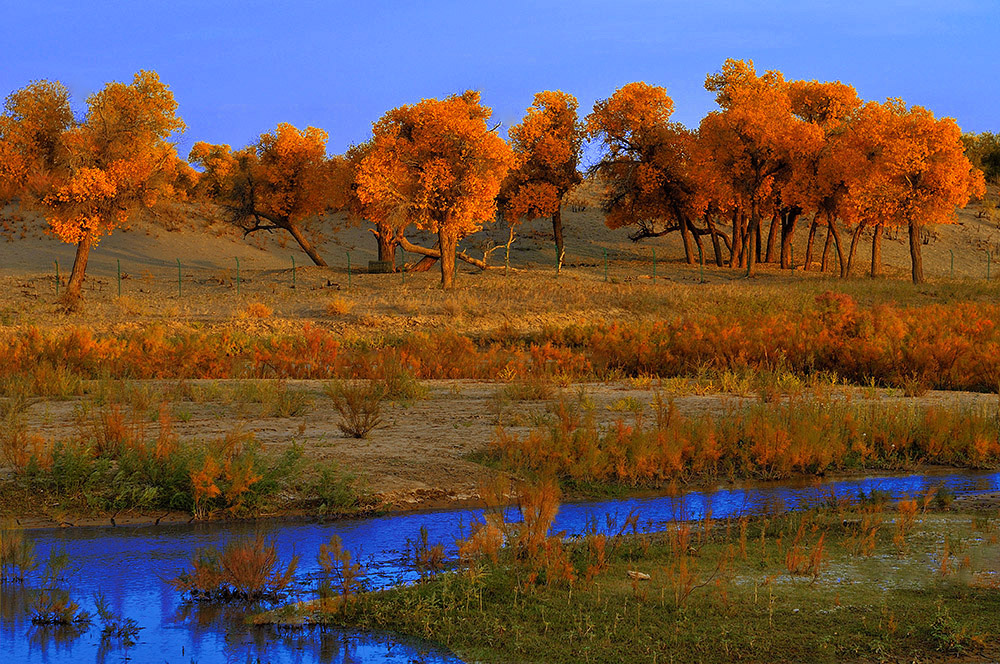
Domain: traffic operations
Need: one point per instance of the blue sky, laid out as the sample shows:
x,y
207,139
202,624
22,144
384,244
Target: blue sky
x,y
239,68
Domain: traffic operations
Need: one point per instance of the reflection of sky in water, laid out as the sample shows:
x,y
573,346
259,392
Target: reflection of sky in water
x,y
129,565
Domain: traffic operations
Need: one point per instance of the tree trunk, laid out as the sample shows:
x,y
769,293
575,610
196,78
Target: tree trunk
x,y
715,239
387,243
448,240
855,236
304,243
826,249
916,260
753,232
771,236
75,285
434,254
758,248
557,232
736,255
877,251
686,236
701,247
809,243
788,222
832,227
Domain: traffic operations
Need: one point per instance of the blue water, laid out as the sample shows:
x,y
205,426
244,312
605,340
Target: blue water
x,y
129,565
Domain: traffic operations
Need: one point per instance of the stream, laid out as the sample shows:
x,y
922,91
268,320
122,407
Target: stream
x,y
130,566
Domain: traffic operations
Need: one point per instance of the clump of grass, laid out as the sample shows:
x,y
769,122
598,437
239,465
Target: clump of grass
x,y
110,467
334,489
288,403
245,570
275,398
339,306
51,605
533,387
359,405
428,559
764,440
400,383
14,437
257,310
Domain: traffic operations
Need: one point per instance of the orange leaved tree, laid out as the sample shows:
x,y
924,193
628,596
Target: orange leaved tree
x,y
755,141
282,181
915,171
547,146
31,130
651,176
375,211
437,165
97,173
820,179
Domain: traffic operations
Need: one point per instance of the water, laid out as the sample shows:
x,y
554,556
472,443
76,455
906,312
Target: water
x,y
129,565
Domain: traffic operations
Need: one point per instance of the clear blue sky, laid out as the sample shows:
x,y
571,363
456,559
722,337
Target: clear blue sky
x,y
239,68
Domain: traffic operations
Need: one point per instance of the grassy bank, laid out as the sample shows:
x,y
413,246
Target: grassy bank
x,y
874,583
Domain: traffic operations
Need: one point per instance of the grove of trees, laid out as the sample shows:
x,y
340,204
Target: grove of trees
x,y
777,156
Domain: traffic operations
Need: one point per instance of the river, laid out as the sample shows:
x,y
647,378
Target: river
x,y
130,566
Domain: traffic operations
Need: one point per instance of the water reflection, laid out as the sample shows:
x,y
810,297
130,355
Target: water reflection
x,y
130,566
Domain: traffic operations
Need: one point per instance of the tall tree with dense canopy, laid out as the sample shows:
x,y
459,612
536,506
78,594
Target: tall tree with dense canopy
x,y
437,165
820,178
547,145
89,177
754,140
649,168
917,173
281,182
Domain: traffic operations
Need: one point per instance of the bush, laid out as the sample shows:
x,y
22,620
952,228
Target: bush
x,y
246,570
359,405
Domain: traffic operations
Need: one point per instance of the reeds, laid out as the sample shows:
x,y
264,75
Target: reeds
x,y
763,440
941,346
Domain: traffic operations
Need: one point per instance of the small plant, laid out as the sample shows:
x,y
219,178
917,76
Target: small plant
x,y
949,635
339,575
51,605
113,626
257,310
338,306
284,402
335,489
359,405
246,570
530,388
426,558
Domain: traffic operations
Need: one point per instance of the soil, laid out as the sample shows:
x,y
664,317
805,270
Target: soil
x,y
422,457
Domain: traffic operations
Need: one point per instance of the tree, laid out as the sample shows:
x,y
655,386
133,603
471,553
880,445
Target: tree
x,y
282,181
753,141
31,129
916,172
547,146
387,234
983,151
437,165
821,177
89,177
649,167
